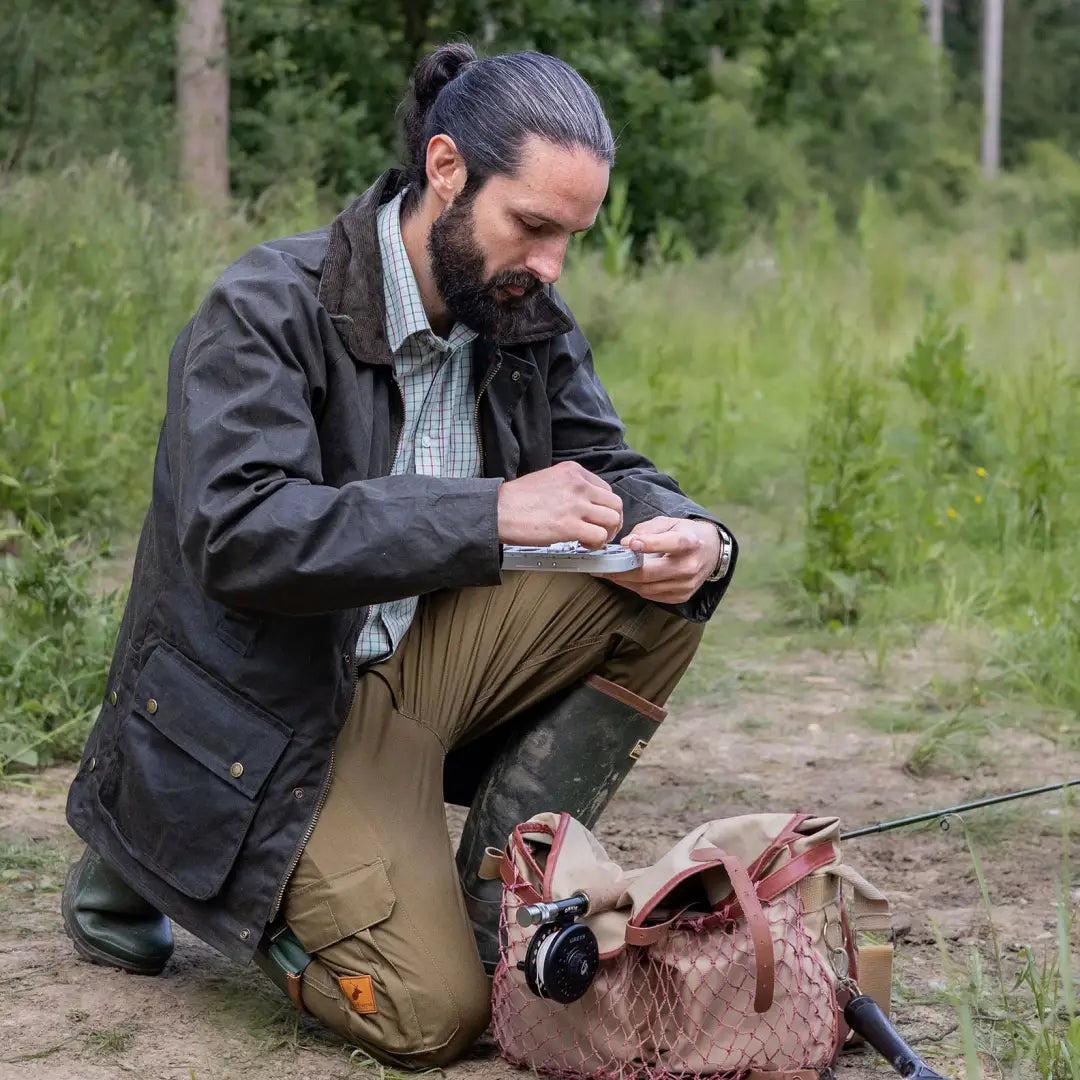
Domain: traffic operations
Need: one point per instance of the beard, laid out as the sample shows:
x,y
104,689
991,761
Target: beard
x,y
457,265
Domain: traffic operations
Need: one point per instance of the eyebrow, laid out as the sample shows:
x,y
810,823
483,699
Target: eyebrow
x,y
551,221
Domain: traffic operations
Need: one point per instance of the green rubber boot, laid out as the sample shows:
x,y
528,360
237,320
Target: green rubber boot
x,y
569,755
111,924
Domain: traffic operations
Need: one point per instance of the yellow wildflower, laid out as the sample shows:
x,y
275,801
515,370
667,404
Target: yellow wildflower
x,y
980,471
951,513
978,498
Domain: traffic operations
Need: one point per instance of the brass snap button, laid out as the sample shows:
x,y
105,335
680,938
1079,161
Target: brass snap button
x,y
91,765
151,706
516,376
245,934
112,697
236,769
298,793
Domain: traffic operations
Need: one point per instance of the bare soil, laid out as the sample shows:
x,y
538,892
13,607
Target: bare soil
x,y
787,730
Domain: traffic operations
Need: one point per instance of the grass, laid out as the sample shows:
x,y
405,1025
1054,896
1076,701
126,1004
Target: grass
x,y
32,868
1020,1013
887,419
109,1042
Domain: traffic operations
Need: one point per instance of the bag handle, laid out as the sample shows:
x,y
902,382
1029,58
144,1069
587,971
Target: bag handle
x,y
871,904
508,870
743,888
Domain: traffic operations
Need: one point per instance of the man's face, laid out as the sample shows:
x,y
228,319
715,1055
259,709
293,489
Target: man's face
x,y
492,252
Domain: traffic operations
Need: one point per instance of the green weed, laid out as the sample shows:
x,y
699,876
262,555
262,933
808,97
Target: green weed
x,y
1025,1017
887,419
55,646
848,477
110,1041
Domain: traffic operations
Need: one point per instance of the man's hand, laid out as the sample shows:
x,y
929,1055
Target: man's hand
x,y
555,505
680,554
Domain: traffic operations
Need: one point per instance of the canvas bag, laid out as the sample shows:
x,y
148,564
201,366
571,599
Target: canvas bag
x,y
730,956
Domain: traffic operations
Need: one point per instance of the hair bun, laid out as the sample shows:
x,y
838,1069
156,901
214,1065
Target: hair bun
x,y
436,70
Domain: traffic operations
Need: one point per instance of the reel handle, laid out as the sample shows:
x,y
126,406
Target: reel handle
x,y
865,1018
573,907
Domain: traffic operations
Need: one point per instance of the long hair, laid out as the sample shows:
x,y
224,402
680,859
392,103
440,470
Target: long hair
x,y
490,106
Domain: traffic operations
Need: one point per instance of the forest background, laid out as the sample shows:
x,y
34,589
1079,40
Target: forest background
x,y
806,298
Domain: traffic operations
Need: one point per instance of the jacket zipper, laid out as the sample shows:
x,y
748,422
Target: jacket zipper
x,y
323,792
476,411
325,789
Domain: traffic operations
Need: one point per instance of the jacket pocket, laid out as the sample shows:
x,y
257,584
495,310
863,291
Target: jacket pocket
x,y
192,759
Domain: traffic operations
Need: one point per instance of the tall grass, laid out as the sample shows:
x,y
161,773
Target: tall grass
x,y
901,404
1022,1013
96,280
906,403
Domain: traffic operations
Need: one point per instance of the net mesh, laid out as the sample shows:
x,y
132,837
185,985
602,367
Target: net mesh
x,y
681,1008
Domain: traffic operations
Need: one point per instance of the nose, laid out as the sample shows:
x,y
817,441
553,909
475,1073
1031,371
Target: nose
x,y
546,259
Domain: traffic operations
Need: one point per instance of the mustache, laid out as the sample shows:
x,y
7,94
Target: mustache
x,y
515,279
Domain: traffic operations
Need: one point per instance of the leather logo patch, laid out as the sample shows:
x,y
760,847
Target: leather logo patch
x,y
360,992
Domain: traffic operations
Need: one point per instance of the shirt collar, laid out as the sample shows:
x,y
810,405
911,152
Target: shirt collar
x,y
405,315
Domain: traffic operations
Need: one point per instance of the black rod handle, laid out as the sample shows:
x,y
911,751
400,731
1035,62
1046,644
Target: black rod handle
x,y
865,1018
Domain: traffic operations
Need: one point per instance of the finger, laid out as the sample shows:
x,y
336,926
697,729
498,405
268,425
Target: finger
x,y
608,519
666,595
663,593
658,571
655,525
596,481
605,497
591,536
670,542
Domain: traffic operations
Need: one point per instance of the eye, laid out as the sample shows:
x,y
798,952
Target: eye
x,y
531,226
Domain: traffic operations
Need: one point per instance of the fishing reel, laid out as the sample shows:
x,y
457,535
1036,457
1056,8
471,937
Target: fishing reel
x,y
563,956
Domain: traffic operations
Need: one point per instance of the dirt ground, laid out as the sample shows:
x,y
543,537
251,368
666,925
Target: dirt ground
x,y
790,728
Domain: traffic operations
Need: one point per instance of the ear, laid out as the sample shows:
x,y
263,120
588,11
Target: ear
x,y
446,173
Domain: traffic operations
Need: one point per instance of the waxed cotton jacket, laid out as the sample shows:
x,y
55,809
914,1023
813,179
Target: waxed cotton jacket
x,y
272,525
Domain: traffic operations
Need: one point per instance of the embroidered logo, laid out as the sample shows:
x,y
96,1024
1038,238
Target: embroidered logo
x,y
360,992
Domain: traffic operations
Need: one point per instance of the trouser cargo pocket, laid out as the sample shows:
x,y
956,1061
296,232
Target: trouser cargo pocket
x,y
375,980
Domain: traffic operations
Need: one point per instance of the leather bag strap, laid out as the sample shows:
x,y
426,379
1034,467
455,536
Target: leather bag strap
x,y
743,888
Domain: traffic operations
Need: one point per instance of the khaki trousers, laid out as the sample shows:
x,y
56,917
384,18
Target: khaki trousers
x,y
375,897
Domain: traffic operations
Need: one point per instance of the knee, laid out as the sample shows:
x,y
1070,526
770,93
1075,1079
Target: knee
x,y
426,1023
462,1019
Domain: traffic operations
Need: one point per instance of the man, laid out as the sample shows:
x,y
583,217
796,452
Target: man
x,y
319,645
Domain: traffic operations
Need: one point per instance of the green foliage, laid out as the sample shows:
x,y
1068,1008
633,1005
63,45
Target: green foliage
x,y
613,230
1040,71
1028,1021
847,487
937,371
723,112
55,646
1043,197
96,281
916,459
83,78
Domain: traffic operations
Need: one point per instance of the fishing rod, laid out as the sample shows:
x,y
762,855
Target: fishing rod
x,y
944,815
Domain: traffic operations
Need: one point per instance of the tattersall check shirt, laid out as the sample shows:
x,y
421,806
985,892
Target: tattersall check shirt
x,y
439,436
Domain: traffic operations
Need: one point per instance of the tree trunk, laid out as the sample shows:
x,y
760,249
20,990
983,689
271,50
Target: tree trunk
x,y
202,100
993,15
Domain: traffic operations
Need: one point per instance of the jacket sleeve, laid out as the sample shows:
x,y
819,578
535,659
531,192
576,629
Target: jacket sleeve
x,y
586,429
258,526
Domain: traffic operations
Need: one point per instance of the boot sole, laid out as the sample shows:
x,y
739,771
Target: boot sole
x,y
90,952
